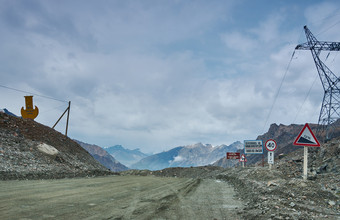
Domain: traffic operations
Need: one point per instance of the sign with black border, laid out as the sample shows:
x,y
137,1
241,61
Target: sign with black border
x,y
306,138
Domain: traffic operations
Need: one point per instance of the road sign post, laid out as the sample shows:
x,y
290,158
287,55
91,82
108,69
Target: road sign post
x,y
306,138
305,162
270,159
243,159
232,155
271,147
253,147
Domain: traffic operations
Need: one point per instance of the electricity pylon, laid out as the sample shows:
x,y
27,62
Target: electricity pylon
x,y
330,109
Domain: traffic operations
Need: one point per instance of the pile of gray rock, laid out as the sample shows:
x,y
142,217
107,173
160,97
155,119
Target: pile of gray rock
x,y
281,193
29,150
269,194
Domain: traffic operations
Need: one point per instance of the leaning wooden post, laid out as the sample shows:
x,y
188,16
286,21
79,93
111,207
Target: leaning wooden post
x,y
68,116
60,118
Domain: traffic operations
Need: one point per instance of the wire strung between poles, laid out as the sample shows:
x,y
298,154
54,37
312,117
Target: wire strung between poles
x,y
278,91
47,97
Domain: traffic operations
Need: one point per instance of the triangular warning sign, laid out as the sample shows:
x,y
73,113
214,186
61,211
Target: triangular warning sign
x,y
306,138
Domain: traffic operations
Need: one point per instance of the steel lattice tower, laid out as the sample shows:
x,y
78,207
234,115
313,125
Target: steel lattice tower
x,y
330,109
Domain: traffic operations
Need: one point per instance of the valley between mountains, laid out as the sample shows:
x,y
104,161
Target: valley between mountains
x,y
45,174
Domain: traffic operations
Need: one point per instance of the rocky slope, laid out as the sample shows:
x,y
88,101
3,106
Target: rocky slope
x,y
103,157
278,193
185,156
29,150
7,112
281,193
284,135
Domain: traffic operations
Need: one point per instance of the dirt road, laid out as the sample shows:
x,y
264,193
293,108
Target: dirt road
x,y
118,197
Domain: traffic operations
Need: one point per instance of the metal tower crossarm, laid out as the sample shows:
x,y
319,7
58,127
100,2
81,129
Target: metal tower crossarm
x,y
330,109
321,45
314,44
328,78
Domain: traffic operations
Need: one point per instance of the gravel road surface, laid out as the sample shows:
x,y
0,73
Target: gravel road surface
x,y
118,197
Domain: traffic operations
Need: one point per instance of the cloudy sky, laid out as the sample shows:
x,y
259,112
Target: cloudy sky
x,y
156,74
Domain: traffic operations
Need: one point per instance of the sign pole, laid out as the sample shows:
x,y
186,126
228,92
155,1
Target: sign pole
x,y
270,159
305,162
271,146
306,138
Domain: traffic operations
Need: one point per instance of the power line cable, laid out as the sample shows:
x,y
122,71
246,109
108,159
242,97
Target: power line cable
x,y
305,99
278,91
335,57
328,28
18,90
284,76
52,109
325,18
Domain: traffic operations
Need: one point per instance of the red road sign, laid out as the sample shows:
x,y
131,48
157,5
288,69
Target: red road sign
x,y
270,145
233,155
306,138
243,158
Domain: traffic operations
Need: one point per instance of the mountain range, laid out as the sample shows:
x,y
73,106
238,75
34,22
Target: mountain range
x,y
185,156
197,154
126,156
103,157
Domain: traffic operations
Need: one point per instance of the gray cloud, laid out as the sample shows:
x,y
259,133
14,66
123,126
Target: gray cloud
x,y
156,74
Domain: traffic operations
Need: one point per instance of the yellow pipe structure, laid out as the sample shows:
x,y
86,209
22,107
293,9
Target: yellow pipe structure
x,y
29,112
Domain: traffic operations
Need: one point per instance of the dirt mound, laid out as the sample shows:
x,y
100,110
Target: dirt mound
x,y
25,152
270,194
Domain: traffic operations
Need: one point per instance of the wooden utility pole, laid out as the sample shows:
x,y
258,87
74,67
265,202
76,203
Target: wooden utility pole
x,y
68,116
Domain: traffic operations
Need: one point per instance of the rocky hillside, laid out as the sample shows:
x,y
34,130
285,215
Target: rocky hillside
x,y
281,193
29,150
284,135
126,156
7,112
185,156
278,193
103,157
